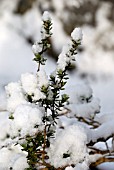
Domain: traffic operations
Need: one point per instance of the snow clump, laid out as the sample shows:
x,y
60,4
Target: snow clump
x,y
69,146
26,117
46,16
15,96
69,51
77,35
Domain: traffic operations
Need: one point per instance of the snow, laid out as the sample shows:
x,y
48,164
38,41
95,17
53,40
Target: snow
x,y
106,165
87,110
12,61
77,34
81,166
11,158
68,145
20,163
2,100
42,78
15,96
81,102
79,93
95,61
104,132
26,117
46,16
38,95
4,122
62,61
105,86
69,168
104,117
37,48
67,55
29,83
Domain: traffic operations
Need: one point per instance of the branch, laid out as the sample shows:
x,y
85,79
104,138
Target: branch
x,y
91,143
98,151
100,161
93,123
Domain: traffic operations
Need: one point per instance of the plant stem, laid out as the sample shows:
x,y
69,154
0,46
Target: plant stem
x,y
44,145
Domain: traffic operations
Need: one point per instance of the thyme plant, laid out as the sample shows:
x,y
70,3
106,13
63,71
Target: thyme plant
x,y
48,130
39,103
53,101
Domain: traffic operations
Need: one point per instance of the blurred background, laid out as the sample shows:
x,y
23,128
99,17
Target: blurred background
x,y
20,22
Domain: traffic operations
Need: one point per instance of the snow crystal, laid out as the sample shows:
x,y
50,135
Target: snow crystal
x,y
72,142
77,34
46,16
29,83
26,116
14,96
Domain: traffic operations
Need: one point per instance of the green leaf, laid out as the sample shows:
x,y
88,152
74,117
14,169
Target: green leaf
x,y
65,97
11,116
